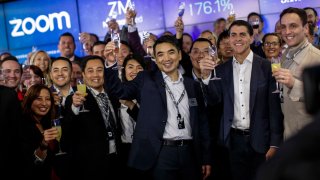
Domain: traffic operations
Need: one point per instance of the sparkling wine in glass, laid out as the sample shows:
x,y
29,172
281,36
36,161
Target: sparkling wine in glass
x,y
132,8
232,15
115,37
213,52
2,78
81,87
57,124
275,65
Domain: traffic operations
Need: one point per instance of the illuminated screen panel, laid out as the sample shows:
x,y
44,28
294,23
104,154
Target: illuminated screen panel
x,y
200,11
276,6
39,22
95,14
3,37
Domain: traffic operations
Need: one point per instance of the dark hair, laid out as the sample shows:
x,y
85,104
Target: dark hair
x,y
311,8
166,39
32,94
135,57
272,34
95,36
11,58
126,44
242,23
223,35
219,20
62,59
200,40
97,44
36,70
300,12
5,54
67,34
255,14
187,34
86,59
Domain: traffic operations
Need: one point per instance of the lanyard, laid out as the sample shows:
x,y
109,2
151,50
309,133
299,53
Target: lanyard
x,y
176,103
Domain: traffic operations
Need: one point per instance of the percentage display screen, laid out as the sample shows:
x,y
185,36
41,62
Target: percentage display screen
x,y
202,11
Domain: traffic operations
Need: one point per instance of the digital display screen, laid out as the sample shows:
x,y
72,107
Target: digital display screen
x,y
276,6
201,11
3,37
94,15
39,22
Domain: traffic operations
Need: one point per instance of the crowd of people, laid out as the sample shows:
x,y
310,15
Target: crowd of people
x,y
171,107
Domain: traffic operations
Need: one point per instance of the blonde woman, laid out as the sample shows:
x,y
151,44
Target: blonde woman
x,y
42,60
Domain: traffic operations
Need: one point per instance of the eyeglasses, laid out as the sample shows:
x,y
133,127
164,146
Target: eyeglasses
x,y
197,52
271,44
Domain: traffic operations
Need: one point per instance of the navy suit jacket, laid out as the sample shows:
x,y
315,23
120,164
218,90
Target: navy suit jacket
x,y
149,90
266,128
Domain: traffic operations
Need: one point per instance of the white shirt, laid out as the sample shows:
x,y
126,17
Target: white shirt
x,y
63,97
172,131
241,82
127,124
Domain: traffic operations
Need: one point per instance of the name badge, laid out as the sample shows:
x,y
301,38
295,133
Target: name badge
x,y
193,102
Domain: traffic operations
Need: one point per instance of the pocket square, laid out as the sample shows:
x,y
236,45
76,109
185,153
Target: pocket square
x,y
193,102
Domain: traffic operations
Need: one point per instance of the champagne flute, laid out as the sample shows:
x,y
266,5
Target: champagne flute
x,y
132,9
57,124
83,89
181,8
213,53
115,37
275,65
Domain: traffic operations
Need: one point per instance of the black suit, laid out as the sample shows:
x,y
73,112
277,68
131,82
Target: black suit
x,y
10,116
87,134
148,89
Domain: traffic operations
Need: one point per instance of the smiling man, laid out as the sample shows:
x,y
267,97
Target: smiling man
x,y
251,123
299,54
178,127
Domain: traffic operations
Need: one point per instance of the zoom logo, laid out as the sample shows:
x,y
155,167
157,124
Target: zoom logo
x,y
42,24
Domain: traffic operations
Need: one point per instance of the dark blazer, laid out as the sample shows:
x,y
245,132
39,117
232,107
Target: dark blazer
x,y
87,134
149,90
10,119
266,128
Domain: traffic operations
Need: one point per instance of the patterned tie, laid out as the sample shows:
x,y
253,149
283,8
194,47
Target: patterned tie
x,y
109,121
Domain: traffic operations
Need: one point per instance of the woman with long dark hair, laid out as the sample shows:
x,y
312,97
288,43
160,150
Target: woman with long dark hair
x,y
38,134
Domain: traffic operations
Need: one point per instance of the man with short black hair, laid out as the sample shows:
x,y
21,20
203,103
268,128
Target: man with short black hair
x,y
67,47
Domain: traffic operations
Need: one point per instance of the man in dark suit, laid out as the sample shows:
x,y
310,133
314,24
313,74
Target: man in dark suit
x,y
11,115
171,137
93,133
251,124
67,46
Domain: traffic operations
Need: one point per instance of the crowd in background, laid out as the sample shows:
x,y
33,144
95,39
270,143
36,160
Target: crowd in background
x,y
171,107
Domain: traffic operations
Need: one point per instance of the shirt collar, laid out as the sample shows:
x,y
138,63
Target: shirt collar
x,y
168,79
58,90
249,58
95,92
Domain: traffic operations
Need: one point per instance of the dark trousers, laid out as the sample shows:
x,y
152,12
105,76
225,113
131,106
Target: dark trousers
x,y
244,161
176,163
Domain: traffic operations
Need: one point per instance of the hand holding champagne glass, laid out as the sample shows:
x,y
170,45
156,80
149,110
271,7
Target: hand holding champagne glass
x,y
82,88
275,66
57,124
213,52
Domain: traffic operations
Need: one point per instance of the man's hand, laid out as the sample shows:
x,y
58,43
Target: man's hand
x,y
179,25
284,76
206,171
206,66
78,98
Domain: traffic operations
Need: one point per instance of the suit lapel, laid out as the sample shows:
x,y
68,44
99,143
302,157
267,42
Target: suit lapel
x,y
188,85
161,87
229,79
255,76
